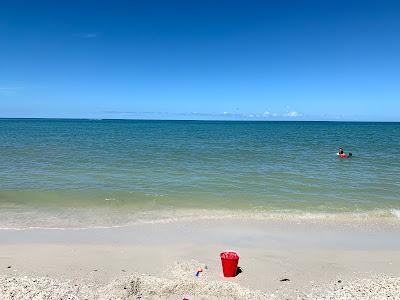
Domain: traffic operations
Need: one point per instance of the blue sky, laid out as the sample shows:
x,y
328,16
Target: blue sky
x,y
295,60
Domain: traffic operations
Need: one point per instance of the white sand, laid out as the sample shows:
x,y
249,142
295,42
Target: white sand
x,y
158,261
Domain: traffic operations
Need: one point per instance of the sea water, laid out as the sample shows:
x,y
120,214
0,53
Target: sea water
x,y
80,173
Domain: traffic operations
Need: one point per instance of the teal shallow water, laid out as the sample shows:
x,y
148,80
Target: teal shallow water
x,y
65,168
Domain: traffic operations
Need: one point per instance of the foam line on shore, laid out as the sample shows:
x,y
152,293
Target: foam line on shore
x,y
69,222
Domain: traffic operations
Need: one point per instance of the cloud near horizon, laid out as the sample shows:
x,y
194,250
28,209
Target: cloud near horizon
x,y
293,114
224,115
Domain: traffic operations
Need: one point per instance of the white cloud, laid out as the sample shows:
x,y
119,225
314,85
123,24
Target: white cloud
x,y
224,115
293,114
10,91
10,88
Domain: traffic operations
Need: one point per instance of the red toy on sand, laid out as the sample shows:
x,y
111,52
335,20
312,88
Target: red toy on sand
x,y
229,261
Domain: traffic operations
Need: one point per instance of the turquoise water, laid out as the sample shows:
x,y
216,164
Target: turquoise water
x,y
55,170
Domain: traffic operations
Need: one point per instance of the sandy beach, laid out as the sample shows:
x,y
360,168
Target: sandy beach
x,y
278,259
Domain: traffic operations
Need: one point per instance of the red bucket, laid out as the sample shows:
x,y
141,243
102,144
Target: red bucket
x,y
229,261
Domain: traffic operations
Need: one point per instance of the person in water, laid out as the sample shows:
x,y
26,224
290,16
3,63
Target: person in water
x,y
344,155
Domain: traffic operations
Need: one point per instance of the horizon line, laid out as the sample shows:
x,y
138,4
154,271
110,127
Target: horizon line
x,y
190,120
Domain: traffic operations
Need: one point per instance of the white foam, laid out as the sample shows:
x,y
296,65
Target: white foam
x,y
395,212
99,220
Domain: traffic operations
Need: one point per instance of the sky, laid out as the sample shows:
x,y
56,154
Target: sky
x,y
261,60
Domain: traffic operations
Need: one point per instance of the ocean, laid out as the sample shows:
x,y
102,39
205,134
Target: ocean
x,y
58,173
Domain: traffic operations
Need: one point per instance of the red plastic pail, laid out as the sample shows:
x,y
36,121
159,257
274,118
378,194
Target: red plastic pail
x,y
229,261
